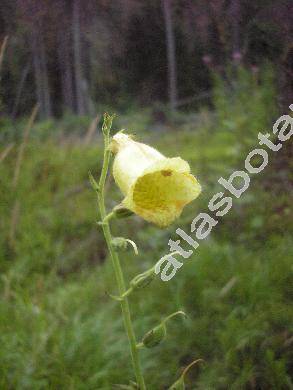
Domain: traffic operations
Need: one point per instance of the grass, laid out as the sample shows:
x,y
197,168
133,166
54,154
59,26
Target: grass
x,y
60,330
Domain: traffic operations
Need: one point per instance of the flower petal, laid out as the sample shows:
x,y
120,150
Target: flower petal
x,y
159,194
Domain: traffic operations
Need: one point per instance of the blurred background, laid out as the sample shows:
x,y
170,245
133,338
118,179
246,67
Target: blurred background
x,y
197,79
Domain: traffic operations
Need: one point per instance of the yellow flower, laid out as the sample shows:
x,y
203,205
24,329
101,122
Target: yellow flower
x,y
155,187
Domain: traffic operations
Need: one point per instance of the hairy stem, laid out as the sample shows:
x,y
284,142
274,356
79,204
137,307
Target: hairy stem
x,y
117,266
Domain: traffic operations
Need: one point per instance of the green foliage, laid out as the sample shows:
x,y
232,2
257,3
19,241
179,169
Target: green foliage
x,y
59,329
245,102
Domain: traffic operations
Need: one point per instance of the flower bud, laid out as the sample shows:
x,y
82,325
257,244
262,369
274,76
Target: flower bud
x,y
157,334
121,243
142,280
154,336
107,124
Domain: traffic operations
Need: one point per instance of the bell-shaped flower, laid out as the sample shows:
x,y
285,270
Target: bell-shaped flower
x,y
155,187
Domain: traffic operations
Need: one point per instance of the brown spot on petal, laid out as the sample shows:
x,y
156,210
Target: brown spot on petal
x,y
166,173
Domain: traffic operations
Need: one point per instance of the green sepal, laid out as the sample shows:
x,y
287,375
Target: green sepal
x,y
121,211
155,336
93,182
119,243
142,280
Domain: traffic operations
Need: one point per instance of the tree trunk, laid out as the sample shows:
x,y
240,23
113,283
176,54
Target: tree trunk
x,y
171,54
37,73
235,17
65,67
79,85
41,74
20,87
45,79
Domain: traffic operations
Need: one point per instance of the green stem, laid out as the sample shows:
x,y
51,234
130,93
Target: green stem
x,y
117,268
108,217
173,315
189,366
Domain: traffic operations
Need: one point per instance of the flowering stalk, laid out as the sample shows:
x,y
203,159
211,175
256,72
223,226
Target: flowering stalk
x,y
100,189
156,188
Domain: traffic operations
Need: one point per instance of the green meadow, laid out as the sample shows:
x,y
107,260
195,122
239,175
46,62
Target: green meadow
x,y
59,329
